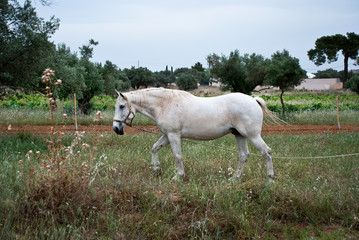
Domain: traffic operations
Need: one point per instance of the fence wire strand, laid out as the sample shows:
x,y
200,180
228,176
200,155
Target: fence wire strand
x,y
234,150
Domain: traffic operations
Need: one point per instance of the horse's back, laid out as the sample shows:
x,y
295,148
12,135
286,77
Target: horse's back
x,y
209,118
228,108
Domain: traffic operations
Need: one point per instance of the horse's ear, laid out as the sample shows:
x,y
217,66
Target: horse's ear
x,y
124,97
121,95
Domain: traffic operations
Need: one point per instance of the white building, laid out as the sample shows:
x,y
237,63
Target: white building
x,y
320,84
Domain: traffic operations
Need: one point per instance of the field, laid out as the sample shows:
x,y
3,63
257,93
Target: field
x,y
100,185
115,195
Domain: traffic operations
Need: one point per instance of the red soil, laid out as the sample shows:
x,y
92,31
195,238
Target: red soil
x,y
267,129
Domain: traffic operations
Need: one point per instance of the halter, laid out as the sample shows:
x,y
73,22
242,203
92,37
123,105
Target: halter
x,y
128,115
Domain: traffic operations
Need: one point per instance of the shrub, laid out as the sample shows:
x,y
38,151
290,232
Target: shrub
x,y
353,84
59,188
186,82
21,100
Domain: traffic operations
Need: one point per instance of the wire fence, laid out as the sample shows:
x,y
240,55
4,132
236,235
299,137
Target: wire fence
x,y
234,150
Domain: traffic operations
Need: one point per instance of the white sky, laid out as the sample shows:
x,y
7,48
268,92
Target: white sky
x,y
180,33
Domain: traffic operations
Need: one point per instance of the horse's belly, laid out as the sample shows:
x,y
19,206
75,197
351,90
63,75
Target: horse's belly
x,y
205,133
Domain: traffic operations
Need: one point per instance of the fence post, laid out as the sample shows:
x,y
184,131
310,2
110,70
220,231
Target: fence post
x,y
75,112
338,112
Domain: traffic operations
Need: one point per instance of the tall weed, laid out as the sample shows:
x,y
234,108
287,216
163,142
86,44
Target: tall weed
x,y
57,183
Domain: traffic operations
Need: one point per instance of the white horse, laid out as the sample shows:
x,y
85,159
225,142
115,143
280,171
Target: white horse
x,y
179,114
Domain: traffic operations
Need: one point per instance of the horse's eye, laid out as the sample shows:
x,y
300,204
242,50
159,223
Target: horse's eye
x,y
122,106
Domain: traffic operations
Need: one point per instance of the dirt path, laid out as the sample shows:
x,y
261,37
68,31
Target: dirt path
x,y
267,129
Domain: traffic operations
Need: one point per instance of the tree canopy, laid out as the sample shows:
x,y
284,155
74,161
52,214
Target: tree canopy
x,y
353,83
238,73
114,78
140,77
327,48
24,43
198,66
328,73
186,81
284,71
164,78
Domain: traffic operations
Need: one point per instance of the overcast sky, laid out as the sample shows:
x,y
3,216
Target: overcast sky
x,y
180,33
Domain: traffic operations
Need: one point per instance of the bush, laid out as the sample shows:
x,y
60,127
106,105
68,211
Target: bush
x,y
22,100
57,184
353,84
103,102
186,82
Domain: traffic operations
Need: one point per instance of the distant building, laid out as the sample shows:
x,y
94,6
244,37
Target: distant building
x,y
320,84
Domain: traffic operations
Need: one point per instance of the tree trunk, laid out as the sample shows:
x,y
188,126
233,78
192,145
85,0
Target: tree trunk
x,y
282,102
84,105
346,58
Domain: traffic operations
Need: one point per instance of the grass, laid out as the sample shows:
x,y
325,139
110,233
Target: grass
x,y
28,116
329,117
91,186
124,199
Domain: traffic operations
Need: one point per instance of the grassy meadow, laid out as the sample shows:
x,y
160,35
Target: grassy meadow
x,y
102,187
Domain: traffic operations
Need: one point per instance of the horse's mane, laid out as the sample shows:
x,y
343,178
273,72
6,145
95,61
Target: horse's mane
x,y
162,93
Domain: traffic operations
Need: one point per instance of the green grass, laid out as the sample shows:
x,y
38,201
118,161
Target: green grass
x,y
28,116
311,198
310,97
328,117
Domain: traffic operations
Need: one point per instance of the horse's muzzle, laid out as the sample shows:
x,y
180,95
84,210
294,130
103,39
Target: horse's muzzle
x,y
119,130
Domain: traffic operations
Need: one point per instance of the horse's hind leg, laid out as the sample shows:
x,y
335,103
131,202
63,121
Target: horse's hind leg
x,y
266,152
163,141
243,154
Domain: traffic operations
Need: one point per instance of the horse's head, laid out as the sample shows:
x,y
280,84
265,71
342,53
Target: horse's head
x,y
123,113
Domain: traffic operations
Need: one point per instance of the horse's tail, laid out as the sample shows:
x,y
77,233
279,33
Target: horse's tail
x,y
263,105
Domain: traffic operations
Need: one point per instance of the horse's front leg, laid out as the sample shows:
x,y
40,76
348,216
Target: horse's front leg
x,y
175,141
163,141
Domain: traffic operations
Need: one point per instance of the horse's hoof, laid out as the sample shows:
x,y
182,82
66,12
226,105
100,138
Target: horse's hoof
x,y
178,178
156,168
271,180
157,172
235,179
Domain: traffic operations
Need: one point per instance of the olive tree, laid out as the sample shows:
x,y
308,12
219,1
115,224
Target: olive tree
x,y
284,71
238,73
24,44
186,81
